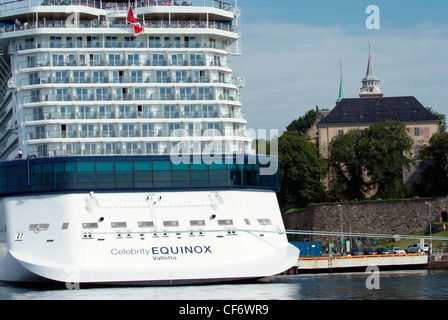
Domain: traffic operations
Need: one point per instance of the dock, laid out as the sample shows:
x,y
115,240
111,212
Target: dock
x,y
359,263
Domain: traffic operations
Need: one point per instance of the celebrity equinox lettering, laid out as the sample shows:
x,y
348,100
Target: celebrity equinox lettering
x,y
163,253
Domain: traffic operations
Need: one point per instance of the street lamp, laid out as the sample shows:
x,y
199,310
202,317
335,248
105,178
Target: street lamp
x,y
430,226
342,234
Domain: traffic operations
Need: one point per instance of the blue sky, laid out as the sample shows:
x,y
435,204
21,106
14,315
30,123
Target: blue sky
x,y
292,51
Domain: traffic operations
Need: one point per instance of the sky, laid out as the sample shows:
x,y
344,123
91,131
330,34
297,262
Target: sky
x,y
292,51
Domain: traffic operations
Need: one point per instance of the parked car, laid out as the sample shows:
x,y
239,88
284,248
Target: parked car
x,y
382,251
355,252
415,247
368,251
396,250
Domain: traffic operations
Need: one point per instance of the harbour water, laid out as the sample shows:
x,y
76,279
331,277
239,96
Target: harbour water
x,y
389,285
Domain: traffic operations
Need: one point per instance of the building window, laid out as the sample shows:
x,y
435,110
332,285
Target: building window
x,y
416,131
417,152
340,132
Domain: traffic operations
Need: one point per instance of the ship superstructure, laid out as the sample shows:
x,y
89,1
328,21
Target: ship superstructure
x,y
125,153
82,83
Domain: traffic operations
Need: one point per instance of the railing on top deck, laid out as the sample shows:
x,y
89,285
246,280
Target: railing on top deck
x,y
117,24
7,5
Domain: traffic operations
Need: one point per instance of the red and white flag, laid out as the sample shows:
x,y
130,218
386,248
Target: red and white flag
x,y
131,19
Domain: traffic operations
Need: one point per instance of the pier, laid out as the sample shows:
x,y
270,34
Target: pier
x,y
359,263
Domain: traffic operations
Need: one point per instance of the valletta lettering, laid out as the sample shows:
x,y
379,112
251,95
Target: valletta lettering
x,y
162,253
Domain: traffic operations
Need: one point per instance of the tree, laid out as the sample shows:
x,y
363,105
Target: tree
x,y
346,166
441,117
302,124
301,170
386,149
371,160
435,177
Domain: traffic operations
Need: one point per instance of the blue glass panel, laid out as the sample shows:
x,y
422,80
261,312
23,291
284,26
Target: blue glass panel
x,y
217,166
114,173
47,167
70,167
199,166
35,168
162,165
86,166
162,175
218,174
143,165
85,177
181,166
123,166
181,175
181,184
59,167
104,166
143,184
105,177
143,176
124,176
199,175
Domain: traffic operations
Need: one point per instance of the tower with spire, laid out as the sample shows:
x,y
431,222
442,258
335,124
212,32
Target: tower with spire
x,y
370,83
341,88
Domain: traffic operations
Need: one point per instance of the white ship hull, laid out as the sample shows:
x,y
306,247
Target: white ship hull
x,y
161,238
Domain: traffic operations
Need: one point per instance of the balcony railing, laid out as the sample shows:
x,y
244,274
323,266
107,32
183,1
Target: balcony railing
x,y
160,134
131,79
128,97
134,115
118,44
141,62
227,5
117,24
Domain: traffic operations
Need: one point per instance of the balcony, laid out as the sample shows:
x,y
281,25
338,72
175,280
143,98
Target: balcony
x,y
141,62
117,44
129,97
227,5
157,134
133,115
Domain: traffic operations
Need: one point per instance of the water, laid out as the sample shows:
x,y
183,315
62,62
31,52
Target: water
x,y
393,285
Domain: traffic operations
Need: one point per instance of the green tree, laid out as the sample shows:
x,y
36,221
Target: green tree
x,y
371,160
301,170
302,124
386,150
346,167
435,177
441,117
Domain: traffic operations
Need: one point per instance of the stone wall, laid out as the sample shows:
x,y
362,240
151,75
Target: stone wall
x,y
380,217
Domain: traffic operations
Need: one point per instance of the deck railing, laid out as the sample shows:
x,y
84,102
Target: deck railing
x,y
6,5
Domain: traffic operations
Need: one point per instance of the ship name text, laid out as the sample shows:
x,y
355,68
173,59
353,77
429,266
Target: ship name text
x,y
162,253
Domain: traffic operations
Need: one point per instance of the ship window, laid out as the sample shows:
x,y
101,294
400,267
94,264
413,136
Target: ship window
x,y
172,223
225,222
118,224
65,226
197,223
38,226
247,221
90,225
264,222
146,224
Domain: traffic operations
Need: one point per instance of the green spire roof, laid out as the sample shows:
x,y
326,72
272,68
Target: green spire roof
x,y
341,89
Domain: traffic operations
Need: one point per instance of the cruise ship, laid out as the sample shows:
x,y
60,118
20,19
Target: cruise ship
x,y
124,153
